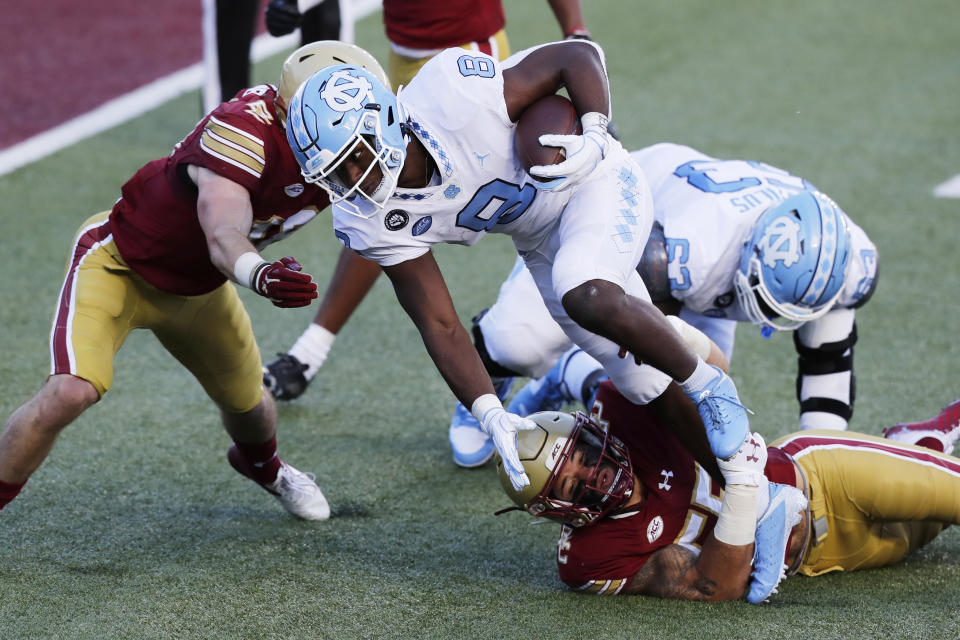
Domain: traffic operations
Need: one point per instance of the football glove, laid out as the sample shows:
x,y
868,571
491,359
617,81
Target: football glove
x,y
583,154
283,283
502,427
283,17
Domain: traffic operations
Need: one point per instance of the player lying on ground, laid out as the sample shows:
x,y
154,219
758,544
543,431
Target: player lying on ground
x,y
641,516
436,164
160,260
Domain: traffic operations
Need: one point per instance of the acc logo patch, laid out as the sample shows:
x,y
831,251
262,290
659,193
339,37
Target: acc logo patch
x,y
558,447
293,190
655,529
780,242
396,220
421,226
346,92
451,192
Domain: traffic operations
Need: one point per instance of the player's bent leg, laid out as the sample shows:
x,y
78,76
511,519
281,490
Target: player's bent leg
x,y
575,378
863,518
603,308
254,455
31,430
212,337
518,333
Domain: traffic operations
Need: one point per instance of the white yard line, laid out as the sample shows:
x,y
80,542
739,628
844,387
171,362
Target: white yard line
x,y
949,189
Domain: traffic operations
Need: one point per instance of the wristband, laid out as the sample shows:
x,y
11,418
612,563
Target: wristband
x,y
483,404
578,34
247,267
594,120
737,522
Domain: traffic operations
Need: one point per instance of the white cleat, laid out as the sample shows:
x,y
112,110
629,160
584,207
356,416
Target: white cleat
x,y
299,494
295,490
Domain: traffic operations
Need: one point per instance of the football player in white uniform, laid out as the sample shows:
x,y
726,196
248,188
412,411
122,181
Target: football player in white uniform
x,y
733,241
437,164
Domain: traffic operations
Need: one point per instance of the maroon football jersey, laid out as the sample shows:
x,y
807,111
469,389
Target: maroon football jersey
x,y
155,223
680,506
429,24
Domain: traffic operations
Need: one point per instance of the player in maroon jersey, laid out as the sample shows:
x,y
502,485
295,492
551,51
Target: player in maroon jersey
x,y
161,259
641,516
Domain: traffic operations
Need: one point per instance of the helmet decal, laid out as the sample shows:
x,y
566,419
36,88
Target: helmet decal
x,y
794,263
346,92
551,461
341,116
780,242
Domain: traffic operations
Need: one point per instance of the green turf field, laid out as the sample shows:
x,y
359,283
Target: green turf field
x,y
136,527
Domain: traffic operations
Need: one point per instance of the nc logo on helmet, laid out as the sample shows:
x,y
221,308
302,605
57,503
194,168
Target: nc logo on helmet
x,y
780,242
345,92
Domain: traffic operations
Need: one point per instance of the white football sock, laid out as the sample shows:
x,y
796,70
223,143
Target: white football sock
x,y
312,348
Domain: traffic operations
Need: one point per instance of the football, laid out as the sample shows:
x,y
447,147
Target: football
x,y
552,114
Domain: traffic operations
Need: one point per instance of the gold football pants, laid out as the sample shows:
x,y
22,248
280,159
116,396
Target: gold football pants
x,y
872,500
102,300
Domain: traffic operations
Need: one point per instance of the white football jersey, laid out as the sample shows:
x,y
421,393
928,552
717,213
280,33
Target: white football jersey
x,y
707,208
457,110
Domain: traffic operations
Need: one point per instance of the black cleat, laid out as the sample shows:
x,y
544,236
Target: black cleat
x,y
284,377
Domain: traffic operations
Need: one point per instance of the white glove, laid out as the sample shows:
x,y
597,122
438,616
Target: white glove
x,y
502,427
583,154
746,465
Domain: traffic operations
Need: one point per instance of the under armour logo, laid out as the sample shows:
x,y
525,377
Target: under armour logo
x,y
346,92
753,456
665,485
780,242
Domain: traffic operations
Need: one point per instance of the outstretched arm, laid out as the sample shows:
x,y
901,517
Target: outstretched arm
x,y
719,573
225,214
423,294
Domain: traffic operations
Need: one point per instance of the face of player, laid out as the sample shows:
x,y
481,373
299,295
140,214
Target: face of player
x,y
581,479
360,168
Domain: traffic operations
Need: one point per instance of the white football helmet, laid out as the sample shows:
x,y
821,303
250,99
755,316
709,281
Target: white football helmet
x,y
310,58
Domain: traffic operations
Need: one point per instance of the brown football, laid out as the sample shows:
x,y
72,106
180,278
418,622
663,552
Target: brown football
x,y
552,114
